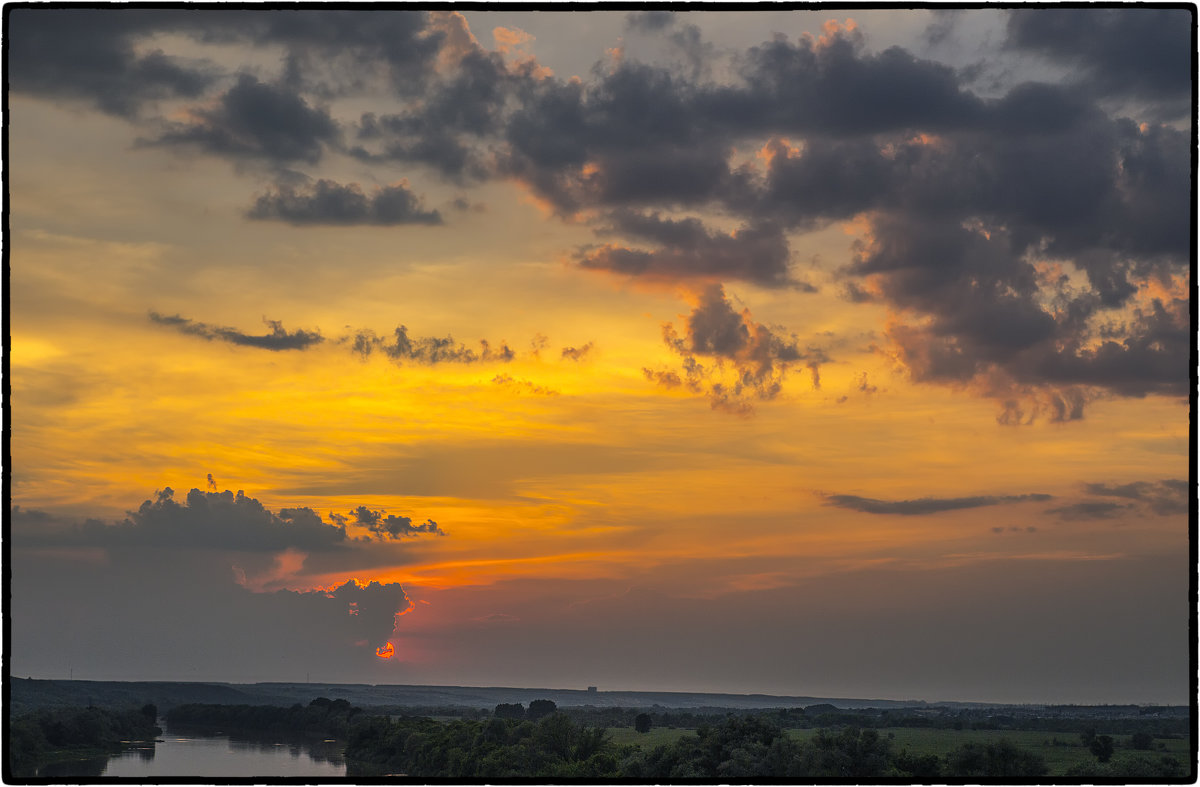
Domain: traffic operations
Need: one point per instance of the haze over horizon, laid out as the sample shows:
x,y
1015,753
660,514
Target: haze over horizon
x,y
809,353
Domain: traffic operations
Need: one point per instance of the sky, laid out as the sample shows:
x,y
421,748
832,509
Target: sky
x,y
839,353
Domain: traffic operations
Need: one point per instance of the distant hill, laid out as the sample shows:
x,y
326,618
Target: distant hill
x,y
26,694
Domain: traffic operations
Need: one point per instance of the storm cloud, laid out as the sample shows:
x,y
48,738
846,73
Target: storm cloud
x,y
928,505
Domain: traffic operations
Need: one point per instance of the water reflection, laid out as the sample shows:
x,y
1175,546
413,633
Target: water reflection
x,y
319,751
182,753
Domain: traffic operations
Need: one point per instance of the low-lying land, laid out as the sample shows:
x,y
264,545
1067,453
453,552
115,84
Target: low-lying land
x,y
540,738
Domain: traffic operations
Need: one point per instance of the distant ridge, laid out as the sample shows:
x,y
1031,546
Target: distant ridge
x,y
30,693
26,694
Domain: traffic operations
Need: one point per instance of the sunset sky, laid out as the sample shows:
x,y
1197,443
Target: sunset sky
x,y
823,352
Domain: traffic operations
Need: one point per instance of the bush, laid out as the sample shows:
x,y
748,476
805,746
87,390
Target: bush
x,y
1000,760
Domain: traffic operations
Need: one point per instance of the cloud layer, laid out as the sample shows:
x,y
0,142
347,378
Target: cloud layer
x,y
1032,242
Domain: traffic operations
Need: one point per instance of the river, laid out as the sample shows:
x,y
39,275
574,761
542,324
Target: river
x,y
182,754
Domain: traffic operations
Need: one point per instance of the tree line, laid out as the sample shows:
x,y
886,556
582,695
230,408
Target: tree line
x,y
737,747
47,734
325,717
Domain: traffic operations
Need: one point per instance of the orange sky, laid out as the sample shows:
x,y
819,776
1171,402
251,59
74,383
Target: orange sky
x,y
826,479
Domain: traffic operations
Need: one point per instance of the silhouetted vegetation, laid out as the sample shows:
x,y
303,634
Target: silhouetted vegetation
x,y
554,746
322,716
1000,760
1138,766
509,740
539,708
48,734
1102,746
739,747
510,710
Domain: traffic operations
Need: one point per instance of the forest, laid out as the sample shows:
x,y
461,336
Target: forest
x,y
742,746
53,733
544,741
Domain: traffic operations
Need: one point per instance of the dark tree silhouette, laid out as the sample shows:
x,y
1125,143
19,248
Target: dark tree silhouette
x,y
540,708
1141,740
1102,747
642,723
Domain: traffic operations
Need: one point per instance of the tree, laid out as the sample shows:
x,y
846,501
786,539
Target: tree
x,y
514,710
1141,740
923,768
1102,747
643,722
999,760
540,708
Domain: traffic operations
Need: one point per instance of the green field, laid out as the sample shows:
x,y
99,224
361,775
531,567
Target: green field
x,y
920,741
656,735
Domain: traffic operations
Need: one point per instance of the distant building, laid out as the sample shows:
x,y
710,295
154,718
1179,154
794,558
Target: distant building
x,y
592,689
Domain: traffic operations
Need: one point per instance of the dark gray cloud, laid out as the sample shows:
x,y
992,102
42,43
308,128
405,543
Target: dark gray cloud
x,y
212,520
927,505
445,128
1089,510
217,521
335,51
183,609
277,339
1142,53
665,378
522,386
93,53
730,357
253,120
687,249
403,348
399,347
1170,496
650,21
969,202
833,86
987,320
632,138
89,55
577,353
328,203
384,525
1014,529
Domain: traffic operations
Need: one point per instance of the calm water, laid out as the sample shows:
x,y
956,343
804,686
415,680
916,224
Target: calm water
x,y
212,756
